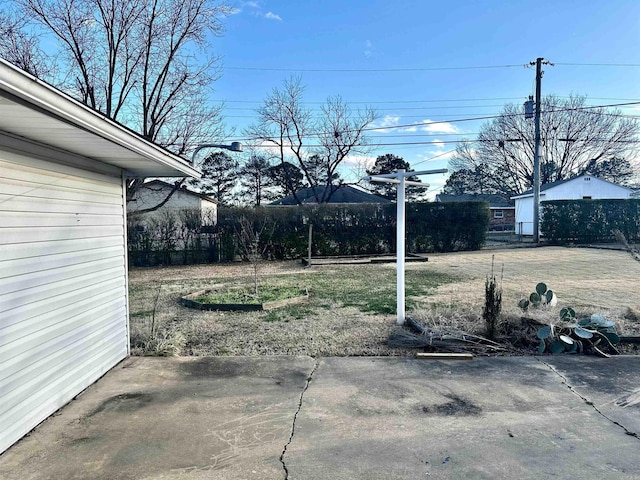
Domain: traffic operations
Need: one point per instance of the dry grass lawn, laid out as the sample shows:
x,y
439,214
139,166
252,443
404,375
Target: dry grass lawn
x,y
581,277
343,317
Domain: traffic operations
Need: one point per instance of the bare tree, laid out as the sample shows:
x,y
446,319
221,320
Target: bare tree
x,y
253,237
20,47
312,144
145,63
573,136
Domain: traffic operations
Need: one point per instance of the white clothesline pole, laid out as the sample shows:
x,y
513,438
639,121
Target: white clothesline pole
x,y
399,179
400,248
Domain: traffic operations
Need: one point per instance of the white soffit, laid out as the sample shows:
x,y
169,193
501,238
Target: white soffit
x,y
34,110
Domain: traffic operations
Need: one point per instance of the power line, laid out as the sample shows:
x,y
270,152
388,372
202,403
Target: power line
x,y
405,101
373,70
436,115
385,136
422,69
434,157
598,64
498,116
437,107
470,119
444,142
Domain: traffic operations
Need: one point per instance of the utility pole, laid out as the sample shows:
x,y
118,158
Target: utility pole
x,y
536,154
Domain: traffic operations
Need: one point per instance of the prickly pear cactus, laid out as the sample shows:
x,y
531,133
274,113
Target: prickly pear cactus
x,y
593,334
541,297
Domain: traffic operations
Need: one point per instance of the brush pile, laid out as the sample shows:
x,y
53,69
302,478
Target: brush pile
x,y
443,339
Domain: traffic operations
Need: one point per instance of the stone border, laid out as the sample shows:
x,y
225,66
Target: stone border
x,y
190,301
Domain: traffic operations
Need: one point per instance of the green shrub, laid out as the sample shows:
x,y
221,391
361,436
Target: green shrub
x,y
361,229
590,221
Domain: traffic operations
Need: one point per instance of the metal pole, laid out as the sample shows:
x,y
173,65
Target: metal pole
x,y
234,147
400,247
536,156
399,178
309,248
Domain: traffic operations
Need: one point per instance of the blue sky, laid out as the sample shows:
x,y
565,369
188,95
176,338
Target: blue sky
x,y
266,41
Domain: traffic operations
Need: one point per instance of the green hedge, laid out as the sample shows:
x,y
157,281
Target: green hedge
x,y
178,238
590,221
357,229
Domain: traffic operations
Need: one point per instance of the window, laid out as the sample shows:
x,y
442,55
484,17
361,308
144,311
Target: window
x,y
498,214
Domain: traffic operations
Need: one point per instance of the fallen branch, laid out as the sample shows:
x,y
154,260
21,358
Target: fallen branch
x,y
449,342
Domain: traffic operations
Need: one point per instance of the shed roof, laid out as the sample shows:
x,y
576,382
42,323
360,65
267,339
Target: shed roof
x,y
343,194
547,186
494,200
34,110
182,189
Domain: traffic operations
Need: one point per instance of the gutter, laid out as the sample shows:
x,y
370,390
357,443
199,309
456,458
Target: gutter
x,y
51,101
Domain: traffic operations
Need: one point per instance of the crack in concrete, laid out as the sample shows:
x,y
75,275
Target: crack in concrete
x,y
565,381
295,417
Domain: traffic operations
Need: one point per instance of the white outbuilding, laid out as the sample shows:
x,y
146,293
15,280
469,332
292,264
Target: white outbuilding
x,y
63,247
172,200
584,187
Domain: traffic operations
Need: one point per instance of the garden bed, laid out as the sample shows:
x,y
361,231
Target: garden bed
x,y
243,300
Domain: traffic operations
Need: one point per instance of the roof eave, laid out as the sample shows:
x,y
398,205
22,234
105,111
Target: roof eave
x,y
46,99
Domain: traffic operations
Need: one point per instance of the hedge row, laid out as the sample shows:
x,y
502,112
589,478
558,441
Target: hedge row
x,y
358,229
590,221
177,238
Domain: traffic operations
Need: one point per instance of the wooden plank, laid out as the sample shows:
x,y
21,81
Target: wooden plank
x,y
445,356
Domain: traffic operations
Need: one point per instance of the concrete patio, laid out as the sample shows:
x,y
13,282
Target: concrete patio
x,y
344,418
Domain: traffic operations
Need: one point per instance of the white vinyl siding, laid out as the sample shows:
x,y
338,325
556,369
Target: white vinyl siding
x,y
63,307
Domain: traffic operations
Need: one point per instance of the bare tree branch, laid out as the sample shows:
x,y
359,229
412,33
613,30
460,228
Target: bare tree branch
x,y
572,137
316,146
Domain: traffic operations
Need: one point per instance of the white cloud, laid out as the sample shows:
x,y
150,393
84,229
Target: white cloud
x,y
354,167
273,16
437,143
359,161
386,122
440,127
252,4
368,48
235,11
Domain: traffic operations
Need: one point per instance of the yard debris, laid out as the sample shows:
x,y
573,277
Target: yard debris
x,y
444,339
445,356
633,251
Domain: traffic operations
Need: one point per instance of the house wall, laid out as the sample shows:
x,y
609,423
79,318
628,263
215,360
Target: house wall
x,y
576,189
586,186
149,197
63,285
505,223
524,215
